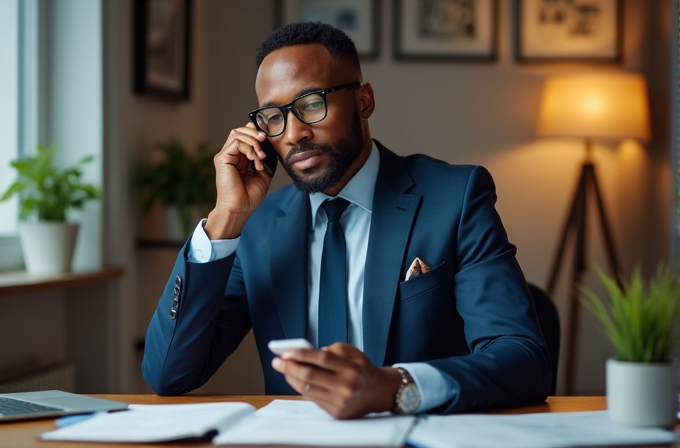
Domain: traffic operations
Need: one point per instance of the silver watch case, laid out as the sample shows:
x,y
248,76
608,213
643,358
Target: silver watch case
x,y
407,399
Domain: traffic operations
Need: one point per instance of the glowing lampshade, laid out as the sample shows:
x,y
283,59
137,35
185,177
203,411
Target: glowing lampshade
x,y
600,105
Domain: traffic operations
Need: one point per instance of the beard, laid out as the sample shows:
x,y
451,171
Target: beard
x,y
342,155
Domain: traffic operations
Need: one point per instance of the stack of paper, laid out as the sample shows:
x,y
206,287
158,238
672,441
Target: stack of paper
x,y
551,430
288,422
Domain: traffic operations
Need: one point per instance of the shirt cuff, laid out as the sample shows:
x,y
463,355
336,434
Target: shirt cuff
x,y
434,387
204,250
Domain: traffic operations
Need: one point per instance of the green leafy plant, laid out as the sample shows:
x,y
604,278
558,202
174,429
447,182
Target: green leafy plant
x,y
638,320
46,191
180,178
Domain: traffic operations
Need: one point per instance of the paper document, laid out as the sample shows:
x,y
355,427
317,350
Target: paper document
x,y
544,430
155,423
288,422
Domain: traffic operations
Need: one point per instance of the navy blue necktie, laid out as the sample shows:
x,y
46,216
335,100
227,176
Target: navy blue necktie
x,y
333,283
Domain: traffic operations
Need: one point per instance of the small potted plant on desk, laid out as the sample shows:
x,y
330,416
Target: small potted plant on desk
x,y
639,322
46,194
183,182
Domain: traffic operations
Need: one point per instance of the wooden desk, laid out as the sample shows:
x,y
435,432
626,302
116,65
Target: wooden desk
x,y
25,434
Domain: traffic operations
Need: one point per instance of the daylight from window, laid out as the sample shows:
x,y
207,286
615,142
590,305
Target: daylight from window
x,y
9,102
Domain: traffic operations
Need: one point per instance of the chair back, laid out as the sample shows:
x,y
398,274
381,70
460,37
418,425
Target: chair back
x,y
549,321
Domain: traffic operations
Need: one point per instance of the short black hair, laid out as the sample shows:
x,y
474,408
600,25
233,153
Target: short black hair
x,y
338,44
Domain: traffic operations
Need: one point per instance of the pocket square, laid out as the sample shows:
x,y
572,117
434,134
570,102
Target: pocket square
x,y
418,267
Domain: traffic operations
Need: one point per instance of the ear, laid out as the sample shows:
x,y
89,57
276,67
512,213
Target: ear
x,y
366,101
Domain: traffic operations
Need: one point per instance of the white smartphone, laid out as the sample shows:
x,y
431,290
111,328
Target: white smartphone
x,y
279,346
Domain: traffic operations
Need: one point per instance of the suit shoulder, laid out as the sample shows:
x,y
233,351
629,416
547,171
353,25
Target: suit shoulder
x,y
426,169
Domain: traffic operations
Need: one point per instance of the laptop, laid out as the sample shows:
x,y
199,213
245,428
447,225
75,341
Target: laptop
x,y
51,403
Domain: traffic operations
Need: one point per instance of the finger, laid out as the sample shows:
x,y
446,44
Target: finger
x,y
322,396
337,393
250,128
251,125
243,131
308,389
285,367
248,145
326,359
260,175
330,401
344,350
248,151
306,373
243,135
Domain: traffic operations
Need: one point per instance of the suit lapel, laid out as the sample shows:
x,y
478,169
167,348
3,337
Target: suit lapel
x,y
288,264
391,223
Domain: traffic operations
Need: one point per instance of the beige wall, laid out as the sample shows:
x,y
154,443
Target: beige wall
x,y
471,113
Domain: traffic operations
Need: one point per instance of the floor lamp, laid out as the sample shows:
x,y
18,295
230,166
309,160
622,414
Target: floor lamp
x,y
606,106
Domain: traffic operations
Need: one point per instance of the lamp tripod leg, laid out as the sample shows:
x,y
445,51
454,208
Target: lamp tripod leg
x,y
572,220
575,224
579,225
604,224
578,221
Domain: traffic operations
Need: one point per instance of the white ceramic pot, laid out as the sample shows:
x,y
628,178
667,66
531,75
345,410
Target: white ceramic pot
x,y
48,246
642,394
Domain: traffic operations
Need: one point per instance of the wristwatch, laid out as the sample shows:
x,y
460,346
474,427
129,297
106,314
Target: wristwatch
x,y
407,399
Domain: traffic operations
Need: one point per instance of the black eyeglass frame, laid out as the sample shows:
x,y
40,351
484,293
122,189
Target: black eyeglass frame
x,y
289,107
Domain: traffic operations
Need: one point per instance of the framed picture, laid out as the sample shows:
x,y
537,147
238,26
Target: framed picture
x,y
462,30
357,18
568,30
161,48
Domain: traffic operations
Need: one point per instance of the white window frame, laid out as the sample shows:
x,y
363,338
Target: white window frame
x,y
18,111
9,113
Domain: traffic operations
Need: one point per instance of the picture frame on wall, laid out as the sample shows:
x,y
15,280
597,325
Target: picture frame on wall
x,y
568,30
455,30
358,18
162,30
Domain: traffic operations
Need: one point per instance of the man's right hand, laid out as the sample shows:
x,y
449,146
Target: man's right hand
x,y
239,190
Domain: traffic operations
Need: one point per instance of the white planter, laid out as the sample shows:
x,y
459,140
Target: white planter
x,y
48,246
173,224
640,394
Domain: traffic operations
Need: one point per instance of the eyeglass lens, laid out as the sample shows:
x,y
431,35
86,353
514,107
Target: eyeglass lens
x,y
309,109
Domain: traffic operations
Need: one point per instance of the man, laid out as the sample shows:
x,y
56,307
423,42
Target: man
x,y
435,314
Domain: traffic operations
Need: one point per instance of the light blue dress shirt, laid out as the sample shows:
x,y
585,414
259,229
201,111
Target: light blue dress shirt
x,y
435,389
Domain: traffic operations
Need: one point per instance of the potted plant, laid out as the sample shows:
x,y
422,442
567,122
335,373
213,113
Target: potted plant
x,y
183,182
46,194
639,322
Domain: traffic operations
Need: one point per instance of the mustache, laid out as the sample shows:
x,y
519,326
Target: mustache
x,y
307,146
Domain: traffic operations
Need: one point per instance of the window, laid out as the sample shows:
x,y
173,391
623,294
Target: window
x,y
9,107
64,41
18,110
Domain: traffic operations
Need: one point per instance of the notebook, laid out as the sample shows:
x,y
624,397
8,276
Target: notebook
x,y
282,422
51,403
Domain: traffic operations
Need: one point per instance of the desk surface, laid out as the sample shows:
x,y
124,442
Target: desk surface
x,y
25,434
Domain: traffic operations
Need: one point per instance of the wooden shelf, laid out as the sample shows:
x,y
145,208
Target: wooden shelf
x,y
21,282
160,244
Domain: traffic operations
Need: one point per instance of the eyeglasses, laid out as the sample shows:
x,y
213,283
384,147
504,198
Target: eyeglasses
x,y
309,108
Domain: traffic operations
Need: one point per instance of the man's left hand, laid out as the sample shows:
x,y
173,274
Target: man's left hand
x,y
340,379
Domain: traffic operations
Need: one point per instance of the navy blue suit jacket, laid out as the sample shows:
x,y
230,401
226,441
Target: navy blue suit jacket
x,y
471,316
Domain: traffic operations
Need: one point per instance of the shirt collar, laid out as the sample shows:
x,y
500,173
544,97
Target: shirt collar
x,y
359,190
